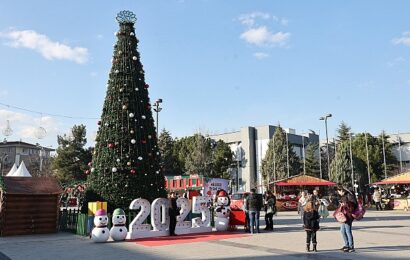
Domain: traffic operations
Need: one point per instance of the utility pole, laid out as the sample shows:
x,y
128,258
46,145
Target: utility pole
x,y
367,156
384,156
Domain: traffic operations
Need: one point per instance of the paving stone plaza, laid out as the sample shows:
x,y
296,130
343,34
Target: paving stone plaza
x,y
380,235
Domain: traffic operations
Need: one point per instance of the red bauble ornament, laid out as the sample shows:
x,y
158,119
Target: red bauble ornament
x,y
146,86
111,145
133,171
148,106
90,163
99,122
143,141
87,172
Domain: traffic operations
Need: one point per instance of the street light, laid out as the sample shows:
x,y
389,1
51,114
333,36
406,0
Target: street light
x,y
303,154
327,141
157,109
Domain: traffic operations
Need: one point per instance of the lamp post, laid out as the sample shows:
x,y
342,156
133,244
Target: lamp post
x,y
157,109
303,154
327,141
238,164
384,157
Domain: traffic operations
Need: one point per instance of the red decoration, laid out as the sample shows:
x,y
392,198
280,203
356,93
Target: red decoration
x,y
143,141
146,86
111,145
87,172
133,171
148,106
90,163
99,122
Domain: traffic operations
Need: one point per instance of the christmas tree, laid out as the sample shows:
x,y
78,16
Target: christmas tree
x,y
125,163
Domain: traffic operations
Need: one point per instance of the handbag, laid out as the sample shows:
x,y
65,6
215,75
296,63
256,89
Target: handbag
x,y
339,215
359,212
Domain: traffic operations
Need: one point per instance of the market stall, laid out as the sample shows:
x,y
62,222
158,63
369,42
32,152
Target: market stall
x,y
287,191
398,191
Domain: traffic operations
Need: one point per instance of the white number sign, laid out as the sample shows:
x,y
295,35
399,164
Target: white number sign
x,y
159,214
136,224
183,203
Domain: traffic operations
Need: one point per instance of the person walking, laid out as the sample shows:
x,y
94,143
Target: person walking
x,y
377,198
173,213
311,224
253,206
270,210
347,205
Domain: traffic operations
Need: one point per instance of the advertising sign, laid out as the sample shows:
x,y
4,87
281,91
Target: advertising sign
x,y
211,186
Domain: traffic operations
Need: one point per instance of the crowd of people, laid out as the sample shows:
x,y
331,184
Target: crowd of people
x,y
311,208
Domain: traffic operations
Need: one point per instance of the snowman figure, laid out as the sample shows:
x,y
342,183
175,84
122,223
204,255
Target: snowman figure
x,y
222,210
100,232
118,231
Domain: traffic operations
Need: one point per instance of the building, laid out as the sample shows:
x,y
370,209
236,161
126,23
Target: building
x,y
401,149
250,144
33,155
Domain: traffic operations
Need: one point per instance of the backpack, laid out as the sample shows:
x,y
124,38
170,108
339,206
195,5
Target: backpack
x,y
359,212
339,215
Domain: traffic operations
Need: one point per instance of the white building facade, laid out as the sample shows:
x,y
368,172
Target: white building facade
x,y
250,145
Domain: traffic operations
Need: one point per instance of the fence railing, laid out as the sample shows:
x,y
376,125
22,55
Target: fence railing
x,y
72,220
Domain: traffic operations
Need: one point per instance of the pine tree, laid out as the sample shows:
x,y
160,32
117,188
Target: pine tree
x,y
222,159
340,168
166,147
72,158
275,163
126,158
311,160
343,132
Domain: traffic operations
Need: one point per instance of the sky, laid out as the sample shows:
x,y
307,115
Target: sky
x,y
218,65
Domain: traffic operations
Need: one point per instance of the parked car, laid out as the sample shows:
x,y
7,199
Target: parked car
x,y
237,200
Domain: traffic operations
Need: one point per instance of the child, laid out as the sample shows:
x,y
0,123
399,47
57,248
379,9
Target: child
x,y
311,224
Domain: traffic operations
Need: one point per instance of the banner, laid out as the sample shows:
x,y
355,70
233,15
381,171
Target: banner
x,y
211,186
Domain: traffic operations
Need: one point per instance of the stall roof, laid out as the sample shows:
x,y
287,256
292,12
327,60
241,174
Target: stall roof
x,y
403,178
34,185
304,180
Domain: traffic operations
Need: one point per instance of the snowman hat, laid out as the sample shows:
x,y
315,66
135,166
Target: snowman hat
x,y
118,212
101,212
222,193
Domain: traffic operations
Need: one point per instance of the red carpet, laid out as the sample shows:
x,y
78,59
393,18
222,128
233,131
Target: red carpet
x,y
189,238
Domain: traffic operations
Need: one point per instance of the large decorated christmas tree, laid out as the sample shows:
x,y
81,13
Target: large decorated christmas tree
x,y
125,163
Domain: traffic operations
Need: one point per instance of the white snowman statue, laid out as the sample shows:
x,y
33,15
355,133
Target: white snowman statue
x,y
100,232
222,210
118,231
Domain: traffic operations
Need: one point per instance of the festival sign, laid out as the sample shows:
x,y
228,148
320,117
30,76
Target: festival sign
x,y
212,185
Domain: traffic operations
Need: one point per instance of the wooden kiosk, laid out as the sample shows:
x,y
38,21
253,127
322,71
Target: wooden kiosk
x,y
287,191
401,185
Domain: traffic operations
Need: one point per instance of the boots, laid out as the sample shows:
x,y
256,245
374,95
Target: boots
x,y
307,247
314,247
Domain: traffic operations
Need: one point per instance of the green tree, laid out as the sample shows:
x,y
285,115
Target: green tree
x,y
343,132
340,167
391,160
275,166
72,158
169,163
222,159
126,160
311,160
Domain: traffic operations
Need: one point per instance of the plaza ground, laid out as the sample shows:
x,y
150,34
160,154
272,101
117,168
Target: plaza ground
x,y
380,235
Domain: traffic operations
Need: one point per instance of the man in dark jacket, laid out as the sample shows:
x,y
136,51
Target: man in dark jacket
x,y
348,203
253,206
173,213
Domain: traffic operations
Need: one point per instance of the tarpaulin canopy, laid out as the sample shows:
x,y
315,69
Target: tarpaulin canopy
x,y
403,178
21,171
12,170
304,180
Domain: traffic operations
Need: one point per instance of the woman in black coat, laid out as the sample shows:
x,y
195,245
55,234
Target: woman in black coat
x,y
311,224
